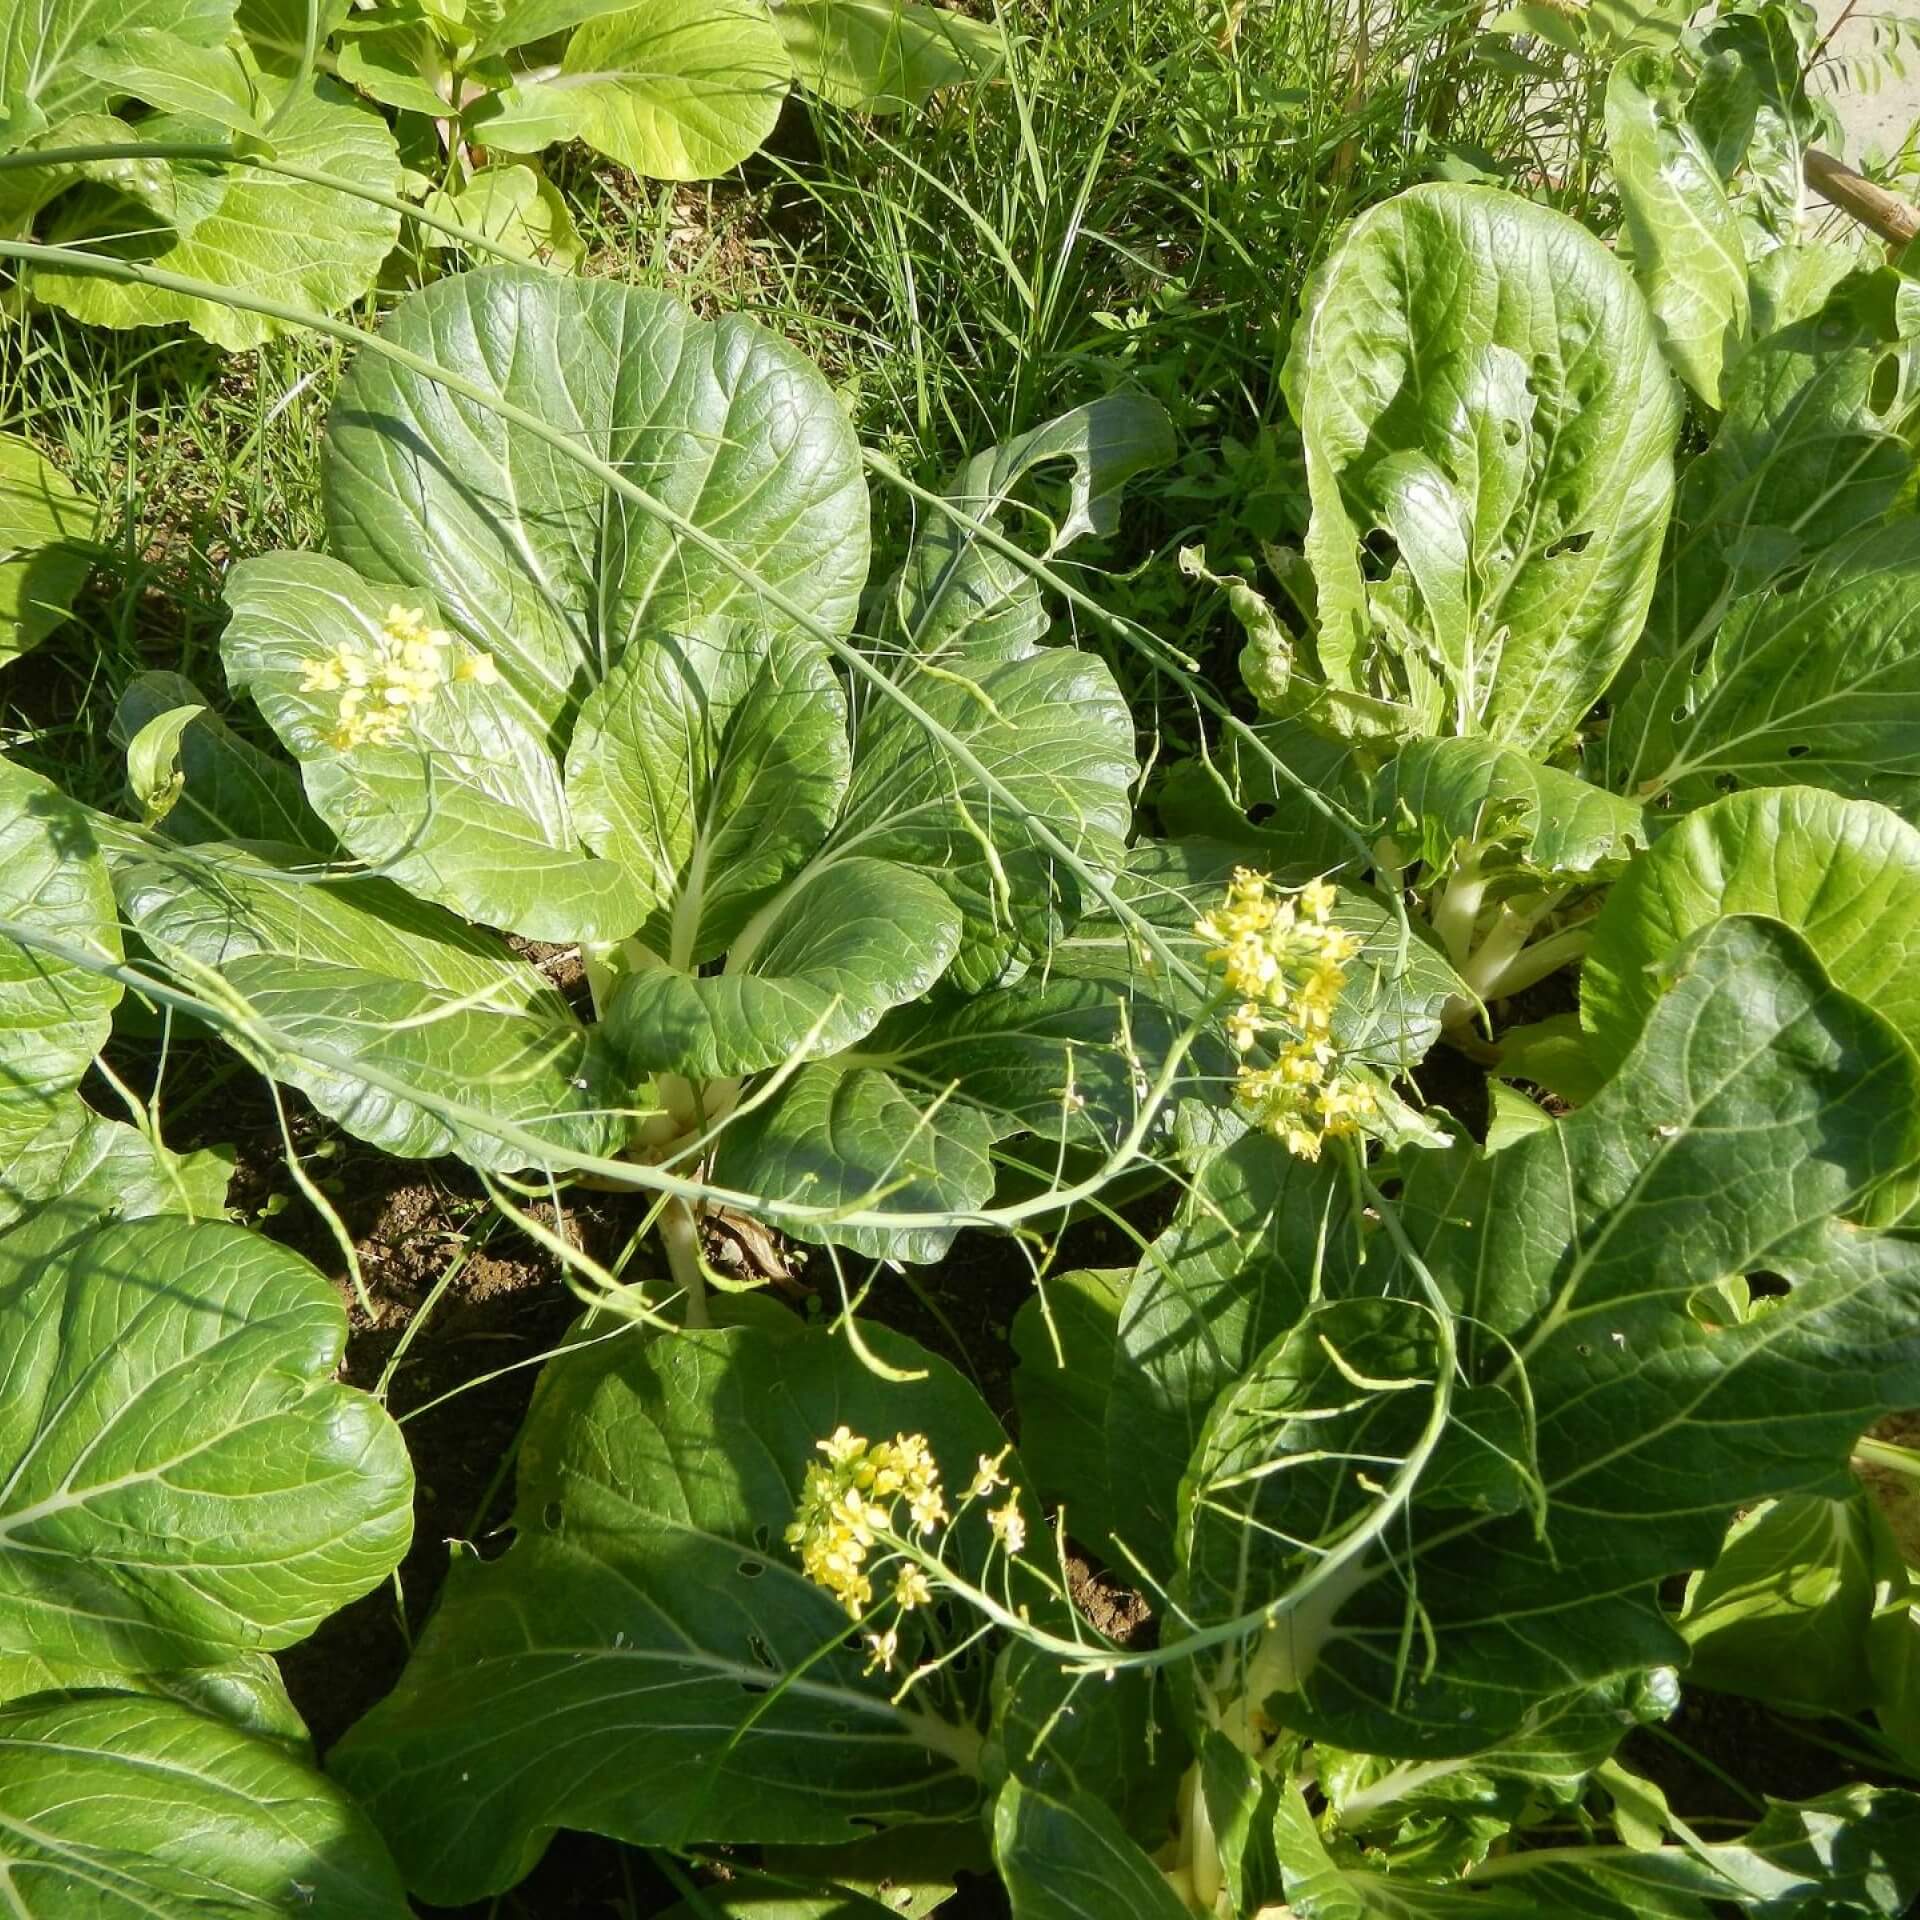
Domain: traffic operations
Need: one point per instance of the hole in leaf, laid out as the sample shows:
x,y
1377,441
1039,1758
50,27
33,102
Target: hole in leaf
x,y
1799,752
1573,543
1260,813
552,1515
1510,432
752,1569
761,1538
1883,391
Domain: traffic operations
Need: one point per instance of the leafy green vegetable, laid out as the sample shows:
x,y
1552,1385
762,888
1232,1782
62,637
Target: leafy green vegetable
x,y
649,1637
184,1478
45,525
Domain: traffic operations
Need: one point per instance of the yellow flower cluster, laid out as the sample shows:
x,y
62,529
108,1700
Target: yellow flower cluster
x,y
849,1500
379,687
1284,957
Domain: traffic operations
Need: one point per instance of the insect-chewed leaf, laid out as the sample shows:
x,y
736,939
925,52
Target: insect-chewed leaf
x,y
1478,381
1758,1114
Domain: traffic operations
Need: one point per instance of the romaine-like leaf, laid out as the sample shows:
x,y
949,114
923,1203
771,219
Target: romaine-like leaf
x,y
674,89
647,1660
54,1012
181,1475
127,1808
257,233
1687,249
1760,1109
1844,874
883,56
1818,685
839,1135
45,524
362,972
1479,384
466,808
1444,794
530,557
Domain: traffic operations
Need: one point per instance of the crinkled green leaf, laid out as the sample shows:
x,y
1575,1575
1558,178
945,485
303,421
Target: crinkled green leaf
x,y
1446,796
46,524
842,948
847,1137
884,56
1844,874
1760,1109
529,556
54,1012
181,1474
710,765
232,790
466,808
126,1808
1064,1340
1478,381
1687,250
674,89
261,234
371,977
1817,685
178,76
647,1659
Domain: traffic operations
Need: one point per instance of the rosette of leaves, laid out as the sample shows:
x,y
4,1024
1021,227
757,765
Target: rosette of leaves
x,y
1415,1492
765,836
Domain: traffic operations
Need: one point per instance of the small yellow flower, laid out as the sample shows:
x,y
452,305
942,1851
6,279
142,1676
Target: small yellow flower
x,y
987,1476
847,1503
885,1646
910,1589
1009,1525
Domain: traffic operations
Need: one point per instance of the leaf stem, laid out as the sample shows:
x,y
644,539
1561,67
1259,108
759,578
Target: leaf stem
x,y
681,1238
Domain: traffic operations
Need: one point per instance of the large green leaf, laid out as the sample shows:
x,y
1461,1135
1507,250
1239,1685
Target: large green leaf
x,y
674,89
883,56
48,46
54,1012
255,233
1688,253
533,559
842,1136
1055,730
647,1660
117,1807
1809,451
45,525
1817,685
1844,874
1479,384
181,1475
711,765
466,808
1760,1109
368,976
852,939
